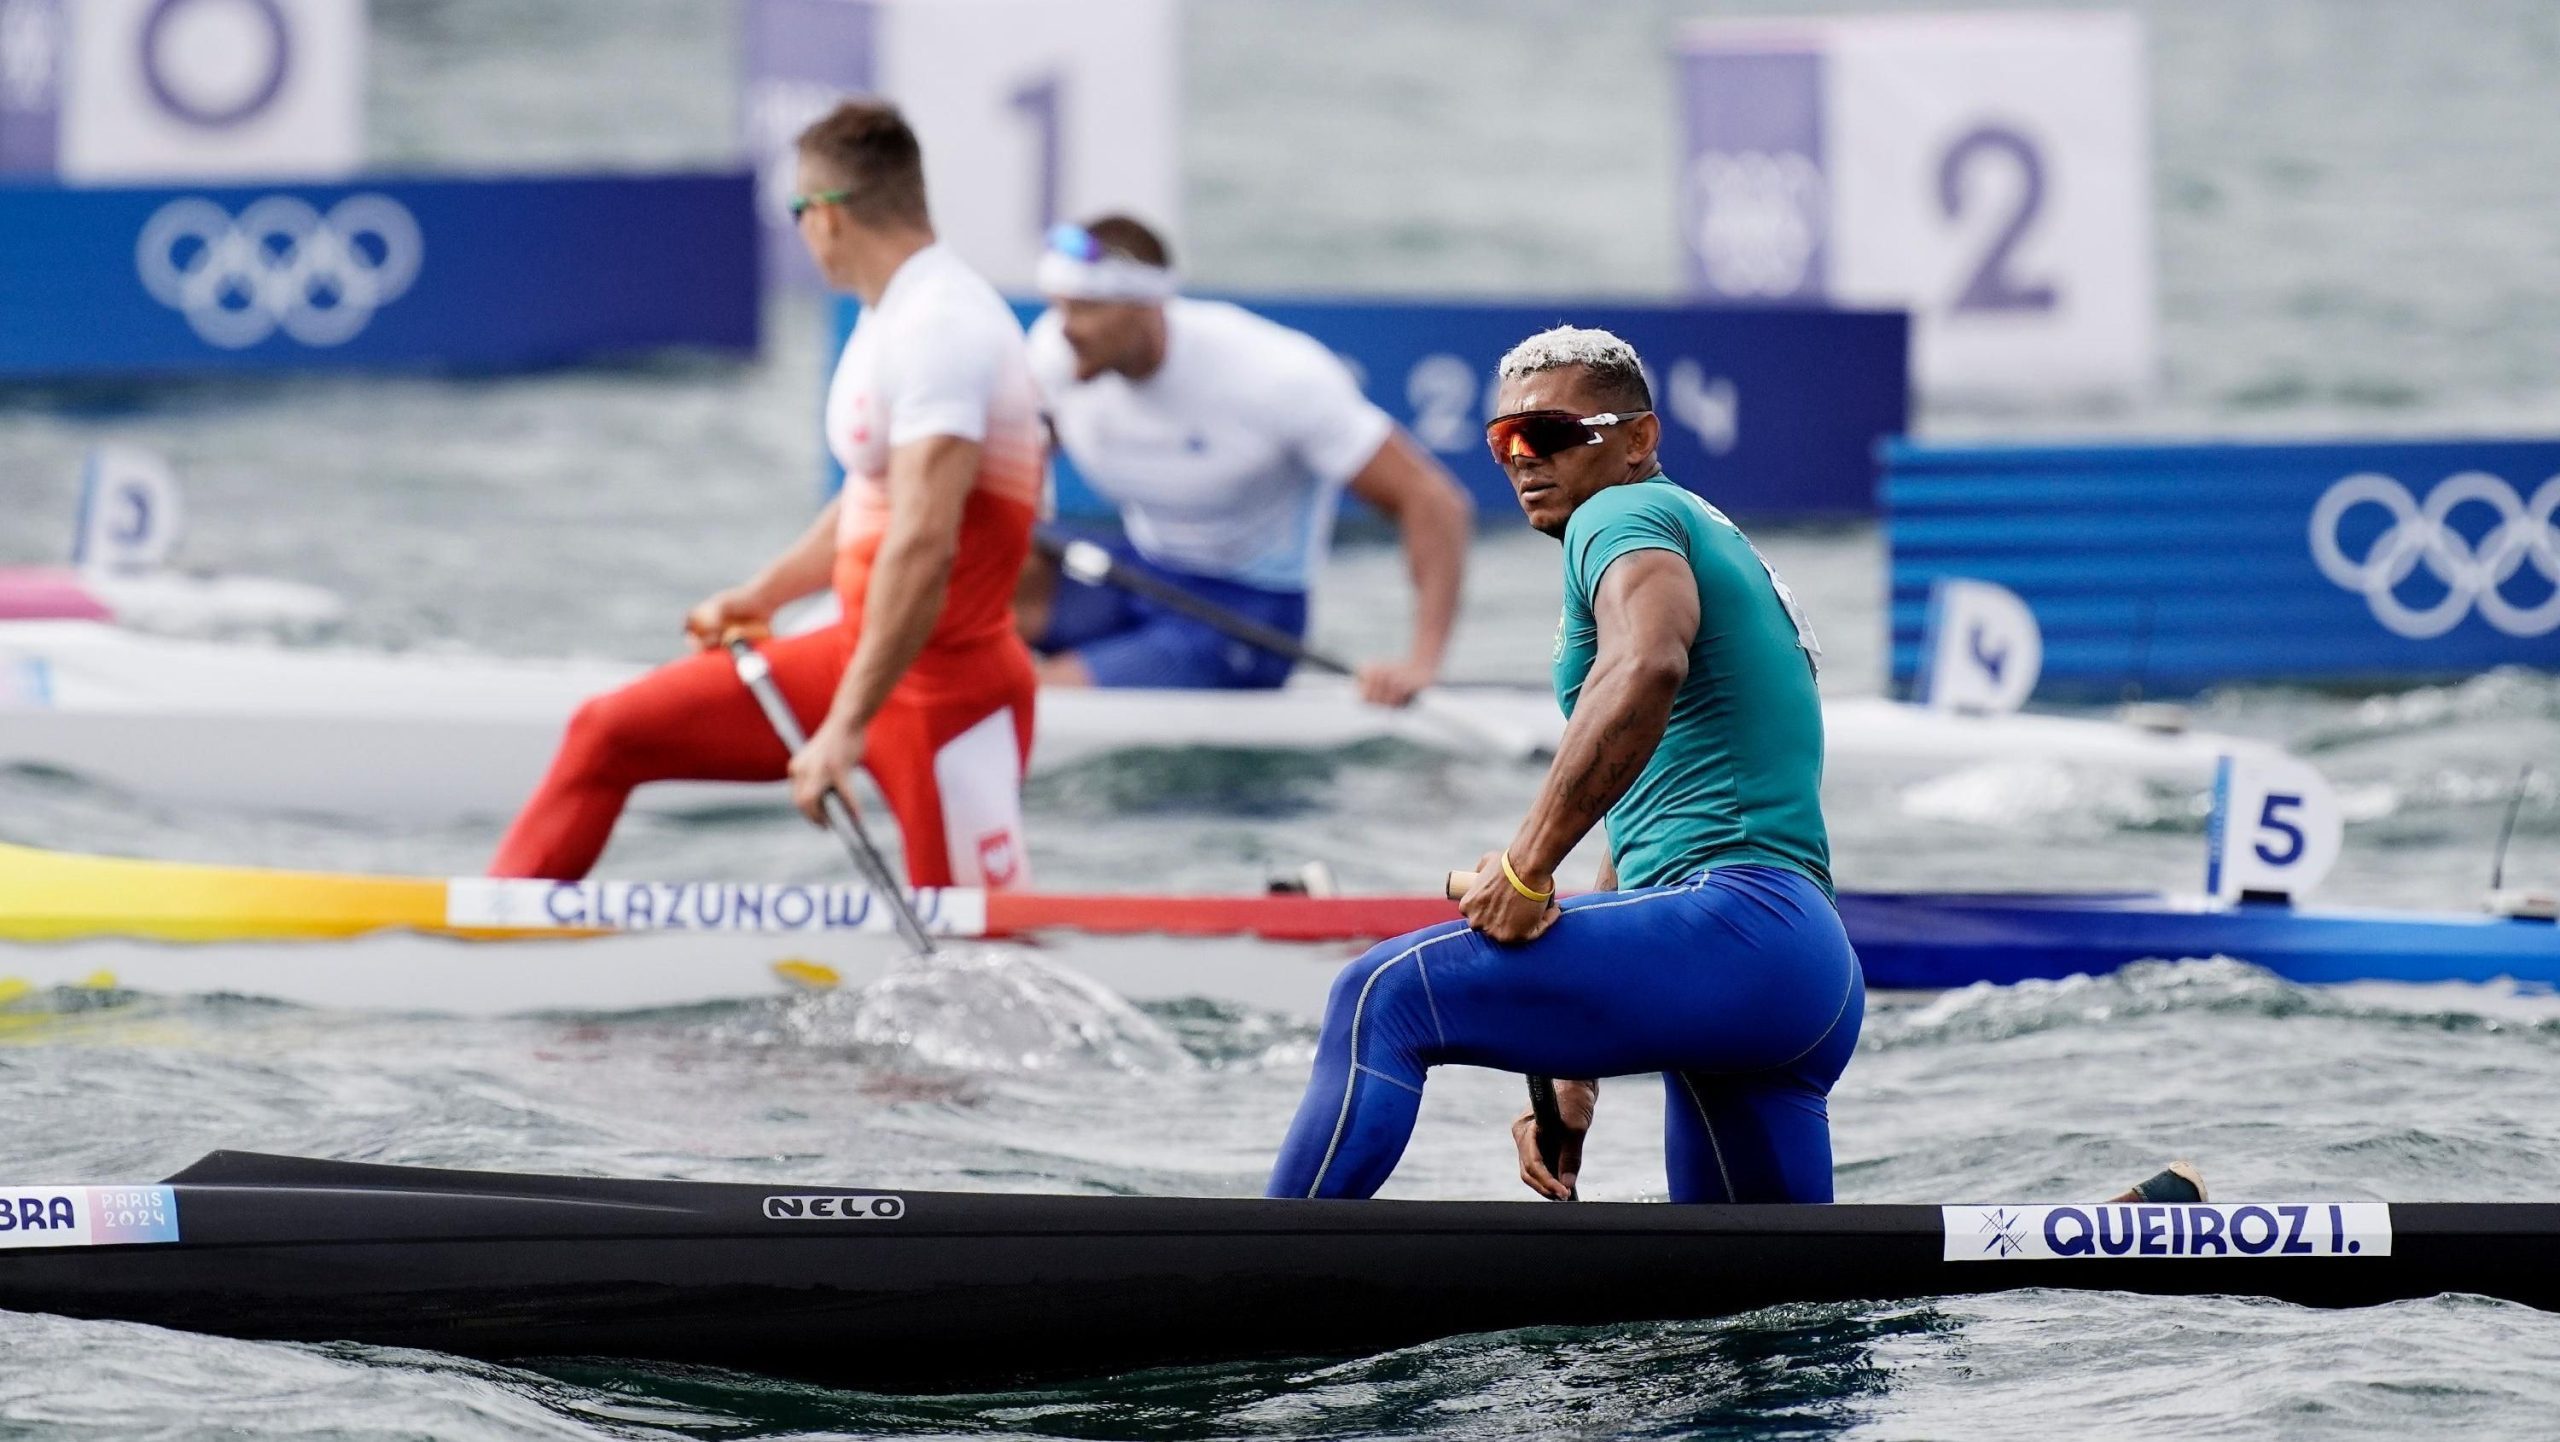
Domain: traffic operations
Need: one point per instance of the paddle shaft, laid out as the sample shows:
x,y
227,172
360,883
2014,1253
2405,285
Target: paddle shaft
x,y
757,673
1095,566
1542,1090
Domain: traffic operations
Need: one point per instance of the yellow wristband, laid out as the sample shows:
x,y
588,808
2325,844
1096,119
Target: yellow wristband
x,y
1540,897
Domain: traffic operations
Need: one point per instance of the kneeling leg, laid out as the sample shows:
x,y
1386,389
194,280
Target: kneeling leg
x,y
1366,1087
1763,1137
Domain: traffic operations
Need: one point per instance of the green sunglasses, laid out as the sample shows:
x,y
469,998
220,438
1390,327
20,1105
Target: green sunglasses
x,y
800,203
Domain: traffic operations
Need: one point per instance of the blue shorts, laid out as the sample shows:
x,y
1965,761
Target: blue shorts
x,y
1738,985
1126,641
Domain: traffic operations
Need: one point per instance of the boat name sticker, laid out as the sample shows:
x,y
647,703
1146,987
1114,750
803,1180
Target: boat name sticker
x,y
830,1208
494,903
2249,1229
87,1216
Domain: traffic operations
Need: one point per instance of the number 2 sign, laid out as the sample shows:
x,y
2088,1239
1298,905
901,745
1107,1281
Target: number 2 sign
x,y
1991,173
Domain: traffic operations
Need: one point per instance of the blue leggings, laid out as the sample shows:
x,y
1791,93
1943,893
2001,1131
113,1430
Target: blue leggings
x,y
1738,985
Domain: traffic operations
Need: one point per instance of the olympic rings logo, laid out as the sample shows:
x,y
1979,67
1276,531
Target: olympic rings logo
x,y
281,265
2418,535
1757,220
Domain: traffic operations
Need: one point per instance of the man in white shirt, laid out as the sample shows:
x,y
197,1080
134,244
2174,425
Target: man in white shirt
x,y
1226,441
923,682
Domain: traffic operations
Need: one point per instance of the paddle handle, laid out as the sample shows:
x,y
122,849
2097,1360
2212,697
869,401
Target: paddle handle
x,y
1550,1115
842,819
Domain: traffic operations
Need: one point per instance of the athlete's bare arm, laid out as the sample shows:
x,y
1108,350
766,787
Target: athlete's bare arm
x,y
802,569
929,483
1404,483
1647,614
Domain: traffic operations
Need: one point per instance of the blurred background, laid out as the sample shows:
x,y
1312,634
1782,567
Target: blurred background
x,y
549,369
477,328
2219,334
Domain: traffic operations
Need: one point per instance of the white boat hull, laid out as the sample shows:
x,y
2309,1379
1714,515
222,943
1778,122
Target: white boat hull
x,y
407,973
435,739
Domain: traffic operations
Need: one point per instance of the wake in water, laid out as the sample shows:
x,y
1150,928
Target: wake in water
x,y
988,1009
1818,1365
2055,798
2215,986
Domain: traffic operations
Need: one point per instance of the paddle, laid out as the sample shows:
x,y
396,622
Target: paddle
x,y
757,673
1094,565
1542,1090
1550,1115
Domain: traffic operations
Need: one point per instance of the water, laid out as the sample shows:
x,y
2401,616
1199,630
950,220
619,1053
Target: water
x,y
2039,1090
2355,200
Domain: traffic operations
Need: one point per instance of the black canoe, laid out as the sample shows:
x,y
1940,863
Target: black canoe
x,y
913,1290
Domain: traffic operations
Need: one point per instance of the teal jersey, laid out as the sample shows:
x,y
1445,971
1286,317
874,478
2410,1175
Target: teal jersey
x,y
1738,775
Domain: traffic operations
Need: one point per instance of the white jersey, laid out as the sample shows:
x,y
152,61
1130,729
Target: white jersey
x,y
940,355
1230,460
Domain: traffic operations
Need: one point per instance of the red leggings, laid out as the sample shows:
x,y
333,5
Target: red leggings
x,y
694,720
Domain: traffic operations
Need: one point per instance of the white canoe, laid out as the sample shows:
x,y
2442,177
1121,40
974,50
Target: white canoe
x,y
400,972
427,738
169,603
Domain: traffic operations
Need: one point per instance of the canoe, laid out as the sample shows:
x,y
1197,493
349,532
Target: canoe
x,y
429,738
909,1289
168,602
680,943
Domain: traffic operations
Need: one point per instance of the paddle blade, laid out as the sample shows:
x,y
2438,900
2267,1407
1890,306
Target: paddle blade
x,y
802,974
2179,1182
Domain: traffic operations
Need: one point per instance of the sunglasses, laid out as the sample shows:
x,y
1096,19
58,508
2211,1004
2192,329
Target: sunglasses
x,y
1541,434
1075,243
800,204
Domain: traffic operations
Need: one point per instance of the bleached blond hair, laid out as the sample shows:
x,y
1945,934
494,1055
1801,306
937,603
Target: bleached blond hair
x,y
1612,363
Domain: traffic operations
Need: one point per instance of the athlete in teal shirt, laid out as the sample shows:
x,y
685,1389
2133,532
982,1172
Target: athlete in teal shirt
x,y
1737,775
1696,731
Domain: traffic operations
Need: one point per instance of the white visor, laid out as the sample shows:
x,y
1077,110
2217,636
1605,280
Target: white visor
x,y
1109,277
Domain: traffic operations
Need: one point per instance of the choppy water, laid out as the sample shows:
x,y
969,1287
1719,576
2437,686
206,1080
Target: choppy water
x,y
2356,200
2041,1090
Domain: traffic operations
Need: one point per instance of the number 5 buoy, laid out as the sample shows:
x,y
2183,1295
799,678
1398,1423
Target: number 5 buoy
x,y
2275,829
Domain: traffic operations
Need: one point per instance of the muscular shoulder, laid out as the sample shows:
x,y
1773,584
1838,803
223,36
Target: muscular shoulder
x,y
948,301
1654,505
948,354
1227,347
1646,515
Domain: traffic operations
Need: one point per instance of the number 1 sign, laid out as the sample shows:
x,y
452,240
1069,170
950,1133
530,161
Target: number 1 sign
x,y
1030,111
1033,112
1989,172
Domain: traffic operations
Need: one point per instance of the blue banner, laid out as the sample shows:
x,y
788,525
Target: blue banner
x,y
1766,412
466,274
2169,569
